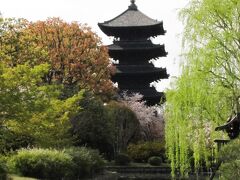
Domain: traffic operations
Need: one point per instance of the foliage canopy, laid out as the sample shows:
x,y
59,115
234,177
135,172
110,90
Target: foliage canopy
x,y
207,92
27,108
75,54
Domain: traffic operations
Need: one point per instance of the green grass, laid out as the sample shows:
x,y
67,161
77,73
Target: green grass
x,y
15,177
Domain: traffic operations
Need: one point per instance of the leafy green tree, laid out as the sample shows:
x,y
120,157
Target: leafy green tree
x,y
126,126
44,64
20,94
207,92
91,127
29,108
109,128
18,46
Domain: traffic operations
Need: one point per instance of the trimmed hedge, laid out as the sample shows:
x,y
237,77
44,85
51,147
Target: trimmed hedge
x,y
72,163
41,163
142,151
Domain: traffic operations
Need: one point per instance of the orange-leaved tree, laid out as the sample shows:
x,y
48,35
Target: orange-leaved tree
x,y
77,56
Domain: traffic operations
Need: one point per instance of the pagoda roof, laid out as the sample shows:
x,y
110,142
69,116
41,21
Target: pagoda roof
x,y
130,20
137,70
142,51
131,74
134,45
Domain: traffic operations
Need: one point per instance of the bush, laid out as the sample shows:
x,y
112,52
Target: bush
x,y
122,159
86,161
41,163
73,163
142,151
11,141
155,160
3,168
229,155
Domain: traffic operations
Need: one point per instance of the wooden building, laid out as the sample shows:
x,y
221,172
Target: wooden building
x,y
133,49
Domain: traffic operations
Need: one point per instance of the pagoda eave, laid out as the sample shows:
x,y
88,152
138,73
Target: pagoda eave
x,y
139,31
149,78
137,53
115,47
123,70
155,75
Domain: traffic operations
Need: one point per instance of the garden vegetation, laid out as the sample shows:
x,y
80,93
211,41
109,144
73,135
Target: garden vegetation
x,y
57,102
58,106
41,91
207,92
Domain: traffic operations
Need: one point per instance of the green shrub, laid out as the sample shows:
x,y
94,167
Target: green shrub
x,y
41,163
97,160
122,159
11,141
142,151
73,163
3,168
155,160
86,161
229,155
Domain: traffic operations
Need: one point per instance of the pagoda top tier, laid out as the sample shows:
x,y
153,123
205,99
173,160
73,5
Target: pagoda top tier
x,y
132,22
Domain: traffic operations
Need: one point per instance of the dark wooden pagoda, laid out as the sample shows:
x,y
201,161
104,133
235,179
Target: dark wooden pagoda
x,y
133,49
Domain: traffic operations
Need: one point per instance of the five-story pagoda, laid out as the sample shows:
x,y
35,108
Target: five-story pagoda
x,y
133,49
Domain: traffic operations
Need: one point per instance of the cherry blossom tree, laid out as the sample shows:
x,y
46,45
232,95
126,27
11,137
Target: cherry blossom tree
x,y
150,117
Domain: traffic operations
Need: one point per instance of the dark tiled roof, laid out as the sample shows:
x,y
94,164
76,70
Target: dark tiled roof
x,y
134,23
131,18
141,69
136,53
136,47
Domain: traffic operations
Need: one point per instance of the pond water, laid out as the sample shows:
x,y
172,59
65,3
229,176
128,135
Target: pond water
x,y
156,177
130,176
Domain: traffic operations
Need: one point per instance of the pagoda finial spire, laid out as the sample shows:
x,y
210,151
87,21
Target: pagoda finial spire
x,y
133,5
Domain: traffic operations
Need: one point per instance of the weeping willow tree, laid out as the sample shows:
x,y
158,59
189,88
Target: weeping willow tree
x,y
208,90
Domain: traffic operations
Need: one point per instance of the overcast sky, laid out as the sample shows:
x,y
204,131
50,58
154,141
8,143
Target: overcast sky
x,y
94,11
